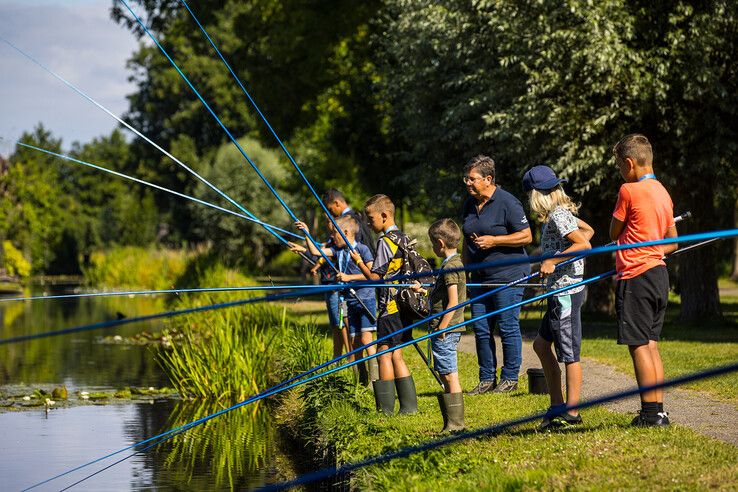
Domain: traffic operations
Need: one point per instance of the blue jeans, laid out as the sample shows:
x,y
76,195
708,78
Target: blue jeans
x,y
508,321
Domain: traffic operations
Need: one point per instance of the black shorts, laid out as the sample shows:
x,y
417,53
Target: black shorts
x,y
640,303
390,324
562,325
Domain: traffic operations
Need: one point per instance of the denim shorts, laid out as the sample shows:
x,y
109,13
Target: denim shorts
x,y
444,352
359,319
331,302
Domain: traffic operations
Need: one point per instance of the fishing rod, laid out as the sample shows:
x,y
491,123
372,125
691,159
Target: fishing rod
x,y
161,188
284,386
220,122
140,135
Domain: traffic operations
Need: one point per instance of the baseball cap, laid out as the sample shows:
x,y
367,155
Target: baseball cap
x,y
541,178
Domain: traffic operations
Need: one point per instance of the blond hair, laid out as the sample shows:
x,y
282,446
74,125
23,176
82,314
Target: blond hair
x,y
544,202
348,224
380,203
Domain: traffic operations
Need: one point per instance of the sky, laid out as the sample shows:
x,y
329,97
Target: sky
x,y
78,40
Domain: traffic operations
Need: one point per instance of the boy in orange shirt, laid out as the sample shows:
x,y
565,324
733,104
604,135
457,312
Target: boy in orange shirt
x,y
643,212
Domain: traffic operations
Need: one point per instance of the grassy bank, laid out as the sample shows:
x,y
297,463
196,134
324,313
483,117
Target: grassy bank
x,y
604,453
134,267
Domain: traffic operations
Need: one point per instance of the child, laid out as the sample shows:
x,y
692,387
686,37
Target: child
x,y
561,325
393,372
643,212
360,304
449,291
332,298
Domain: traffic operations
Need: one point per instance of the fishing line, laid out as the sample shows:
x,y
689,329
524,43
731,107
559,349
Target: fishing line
x,y
139,134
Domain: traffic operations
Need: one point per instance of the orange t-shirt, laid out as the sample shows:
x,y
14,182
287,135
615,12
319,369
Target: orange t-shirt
x,y
647,210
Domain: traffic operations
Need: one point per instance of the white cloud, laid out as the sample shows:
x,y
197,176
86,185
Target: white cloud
x,y
78,40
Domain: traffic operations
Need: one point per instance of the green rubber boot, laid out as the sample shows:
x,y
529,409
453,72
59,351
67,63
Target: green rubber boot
x,y
407,395
384,396
452,409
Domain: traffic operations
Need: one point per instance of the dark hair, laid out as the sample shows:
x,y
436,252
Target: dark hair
x,y
332,194
380,203
483,164
447,231
635,146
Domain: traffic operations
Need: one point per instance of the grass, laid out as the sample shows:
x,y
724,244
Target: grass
x,y
134,267
604,453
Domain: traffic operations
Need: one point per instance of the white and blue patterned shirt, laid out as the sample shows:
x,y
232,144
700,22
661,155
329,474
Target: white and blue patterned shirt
x,y
561,222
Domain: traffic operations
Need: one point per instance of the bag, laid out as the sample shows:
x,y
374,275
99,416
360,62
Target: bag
x,y
414,304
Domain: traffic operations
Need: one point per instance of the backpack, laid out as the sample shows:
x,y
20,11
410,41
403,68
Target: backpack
x,y
414,304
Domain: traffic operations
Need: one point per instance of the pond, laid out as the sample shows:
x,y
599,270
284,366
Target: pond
x,y
229,452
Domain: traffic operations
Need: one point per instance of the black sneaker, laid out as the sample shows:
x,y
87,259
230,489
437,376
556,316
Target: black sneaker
x,y
506,386
559,421
483,387
661,419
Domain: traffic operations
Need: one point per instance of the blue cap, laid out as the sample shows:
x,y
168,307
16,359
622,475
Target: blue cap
x,y
541,178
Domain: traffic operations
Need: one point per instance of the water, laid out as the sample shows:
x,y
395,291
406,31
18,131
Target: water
x,y
229,452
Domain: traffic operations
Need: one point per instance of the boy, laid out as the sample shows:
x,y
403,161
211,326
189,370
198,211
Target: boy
x,y
360,304
388,262
449,291
643,212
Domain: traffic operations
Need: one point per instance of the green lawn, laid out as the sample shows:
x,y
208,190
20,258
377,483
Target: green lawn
x,y
604,453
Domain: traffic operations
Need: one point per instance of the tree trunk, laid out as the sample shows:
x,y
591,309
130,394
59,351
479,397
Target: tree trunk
x,y
697,268
734,271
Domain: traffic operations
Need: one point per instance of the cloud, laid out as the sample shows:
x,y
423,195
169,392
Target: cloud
x,y
78,40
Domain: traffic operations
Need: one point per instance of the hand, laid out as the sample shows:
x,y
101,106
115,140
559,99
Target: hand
x,y
547,268
341,277
296,248
485,242
417,287
303,227
314,270
356,256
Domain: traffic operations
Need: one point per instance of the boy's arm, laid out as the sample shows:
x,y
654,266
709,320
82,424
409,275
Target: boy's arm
x,y
616,228
579,242
366,268
453,299
586,229
310,246
670,248
346,277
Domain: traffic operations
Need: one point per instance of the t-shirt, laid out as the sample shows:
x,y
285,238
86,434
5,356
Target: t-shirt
x,y
387,264
647,210
439,294
560,223
502,215
346,264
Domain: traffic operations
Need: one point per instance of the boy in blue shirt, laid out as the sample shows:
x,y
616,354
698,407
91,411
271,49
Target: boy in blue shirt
x,y
361,308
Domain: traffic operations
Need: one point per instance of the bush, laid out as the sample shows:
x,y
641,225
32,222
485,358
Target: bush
x,y
135,267
15,264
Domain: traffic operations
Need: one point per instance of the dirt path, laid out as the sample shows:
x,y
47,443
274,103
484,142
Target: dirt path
x,y
689,408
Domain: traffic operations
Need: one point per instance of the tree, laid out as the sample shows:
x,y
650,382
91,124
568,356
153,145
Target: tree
x,y
561,82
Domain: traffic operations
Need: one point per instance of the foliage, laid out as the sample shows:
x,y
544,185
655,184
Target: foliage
x,y
15,264
135,267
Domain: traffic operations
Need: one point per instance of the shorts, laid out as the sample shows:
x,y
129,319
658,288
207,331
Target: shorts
x,y
444,352
388,325
562,325
640,303
331,302
359,320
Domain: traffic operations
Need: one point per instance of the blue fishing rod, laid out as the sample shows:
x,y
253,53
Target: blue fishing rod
x,y
284,386
141,135
224,127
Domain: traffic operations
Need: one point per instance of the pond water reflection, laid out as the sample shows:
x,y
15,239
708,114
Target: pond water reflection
x,y
227,453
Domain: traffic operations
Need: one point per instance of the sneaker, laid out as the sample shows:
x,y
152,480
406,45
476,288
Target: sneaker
x,y
642,420
559,421
506,386
483,387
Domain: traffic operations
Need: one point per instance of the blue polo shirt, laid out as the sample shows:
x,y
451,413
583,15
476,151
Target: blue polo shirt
x,y
503,214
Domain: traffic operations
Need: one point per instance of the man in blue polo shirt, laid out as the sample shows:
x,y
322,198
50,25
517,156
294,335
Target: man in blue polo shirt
x,y
495,228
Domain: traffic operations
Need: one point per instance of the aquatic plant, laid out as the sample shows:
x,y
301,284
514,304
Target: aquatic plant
x,y
136,267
